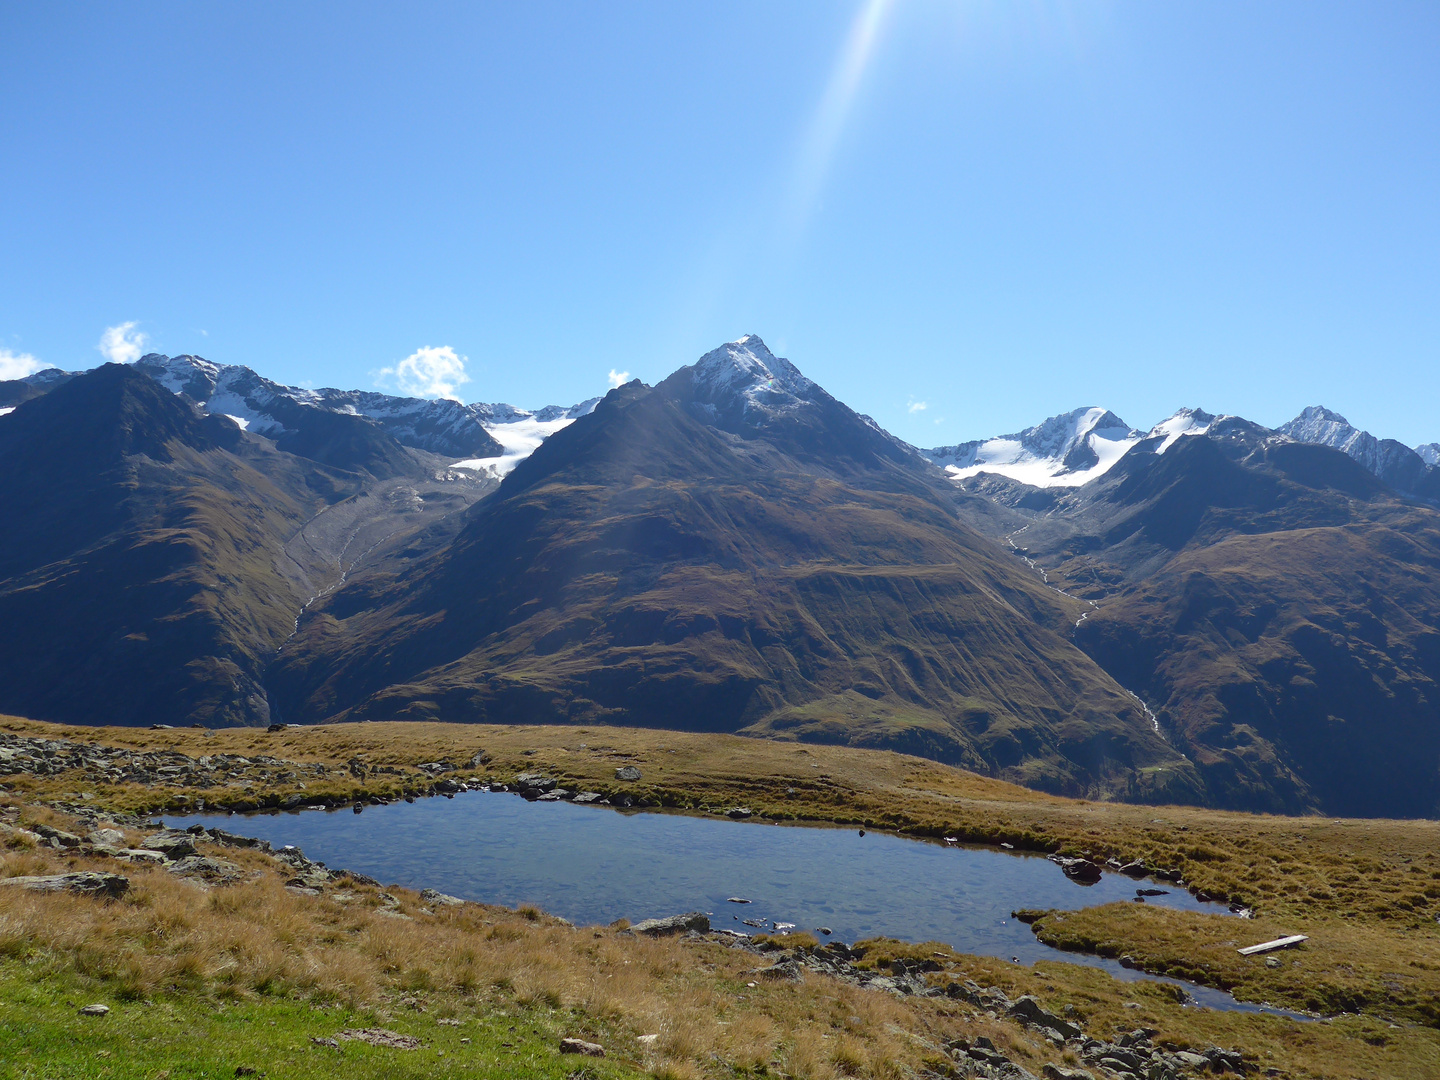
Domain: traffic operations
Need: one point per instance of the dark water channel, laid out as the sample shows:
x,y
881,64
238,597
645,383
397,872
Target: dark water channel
x,y
593,865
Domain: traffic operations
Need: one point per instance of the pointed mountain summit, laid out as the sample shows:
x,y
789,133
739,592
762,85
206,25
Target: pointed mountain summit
x,y
745,389
744,378
1184,422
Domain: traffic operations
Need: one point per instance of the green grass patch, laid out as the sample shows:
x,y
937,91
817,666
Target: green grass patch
x,y
44,1036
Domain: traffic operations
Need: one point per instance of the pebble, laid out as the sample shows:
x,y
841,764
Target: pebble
x,y
94,1010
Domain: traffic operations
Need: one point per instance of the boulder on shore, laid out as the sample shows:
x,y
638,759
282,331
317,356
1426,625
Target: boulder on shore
x,y
674,924
532,785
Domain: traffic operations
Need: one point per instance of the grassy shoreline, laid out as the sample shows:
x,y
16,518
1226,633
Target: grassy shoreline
x,y
1365,891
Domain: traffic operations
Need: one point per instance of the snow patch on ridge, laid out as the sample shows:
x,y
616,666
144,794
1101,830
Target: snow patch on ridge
x,y
1065,451
1068,450
1184,422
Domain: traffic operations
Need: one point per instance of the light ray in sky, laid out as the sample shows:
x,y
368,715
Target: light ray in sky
x,y
818,148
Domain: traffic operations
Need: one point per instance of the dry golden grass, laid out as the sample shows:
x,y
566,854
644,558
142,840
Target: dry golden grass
x,y
1366,891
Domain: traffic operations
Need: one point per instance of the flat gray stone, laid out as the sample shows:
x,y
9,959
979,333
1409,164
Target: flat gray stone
x,y
86,883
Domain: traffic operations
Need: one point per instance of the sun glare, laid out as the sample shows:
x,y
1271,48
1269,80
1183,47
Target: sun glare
x,y
818,148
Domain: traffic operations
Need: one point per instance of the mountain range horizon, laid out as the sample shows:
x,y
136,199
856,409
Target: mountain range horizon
x,y
1209,611
1314,424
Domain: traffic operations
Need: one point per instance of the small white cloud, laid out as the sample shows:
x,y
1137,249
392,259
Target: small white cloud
x,y
427,372
618,378
917,406
18,365
122,344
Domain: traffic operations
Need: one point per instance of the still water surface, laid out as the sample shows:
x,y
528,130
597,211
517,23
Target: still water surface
x,y
593,865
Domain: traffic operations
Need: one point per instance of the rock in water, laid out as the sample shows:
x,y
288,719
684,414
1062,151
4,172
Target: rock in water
x,y
1081,871
675,924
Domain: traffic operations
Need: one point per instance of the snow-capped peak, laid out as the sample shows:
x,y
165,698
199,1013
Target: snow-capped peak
x,y
747,374
1184,422
1429,453
1064,451
1317,424
1394,462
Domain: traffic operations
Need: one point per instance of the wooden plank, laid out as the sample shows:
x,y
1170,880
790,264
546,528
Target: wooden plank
x,y
1271,946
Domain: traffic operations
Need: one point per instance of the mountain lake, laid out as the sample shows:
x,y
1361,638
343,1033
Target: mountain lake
x,y
593,865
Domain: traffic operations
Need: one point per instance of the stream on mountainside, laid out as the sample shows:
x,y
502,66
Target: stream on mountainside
x,y
593,865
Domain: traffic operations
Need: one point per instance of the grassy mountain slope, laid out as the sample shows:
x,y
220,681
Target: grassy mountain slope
x,y
796,577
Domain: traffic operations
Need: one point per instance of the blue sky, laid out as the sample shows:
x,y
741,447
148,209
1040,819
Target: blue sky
x,y
998,211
